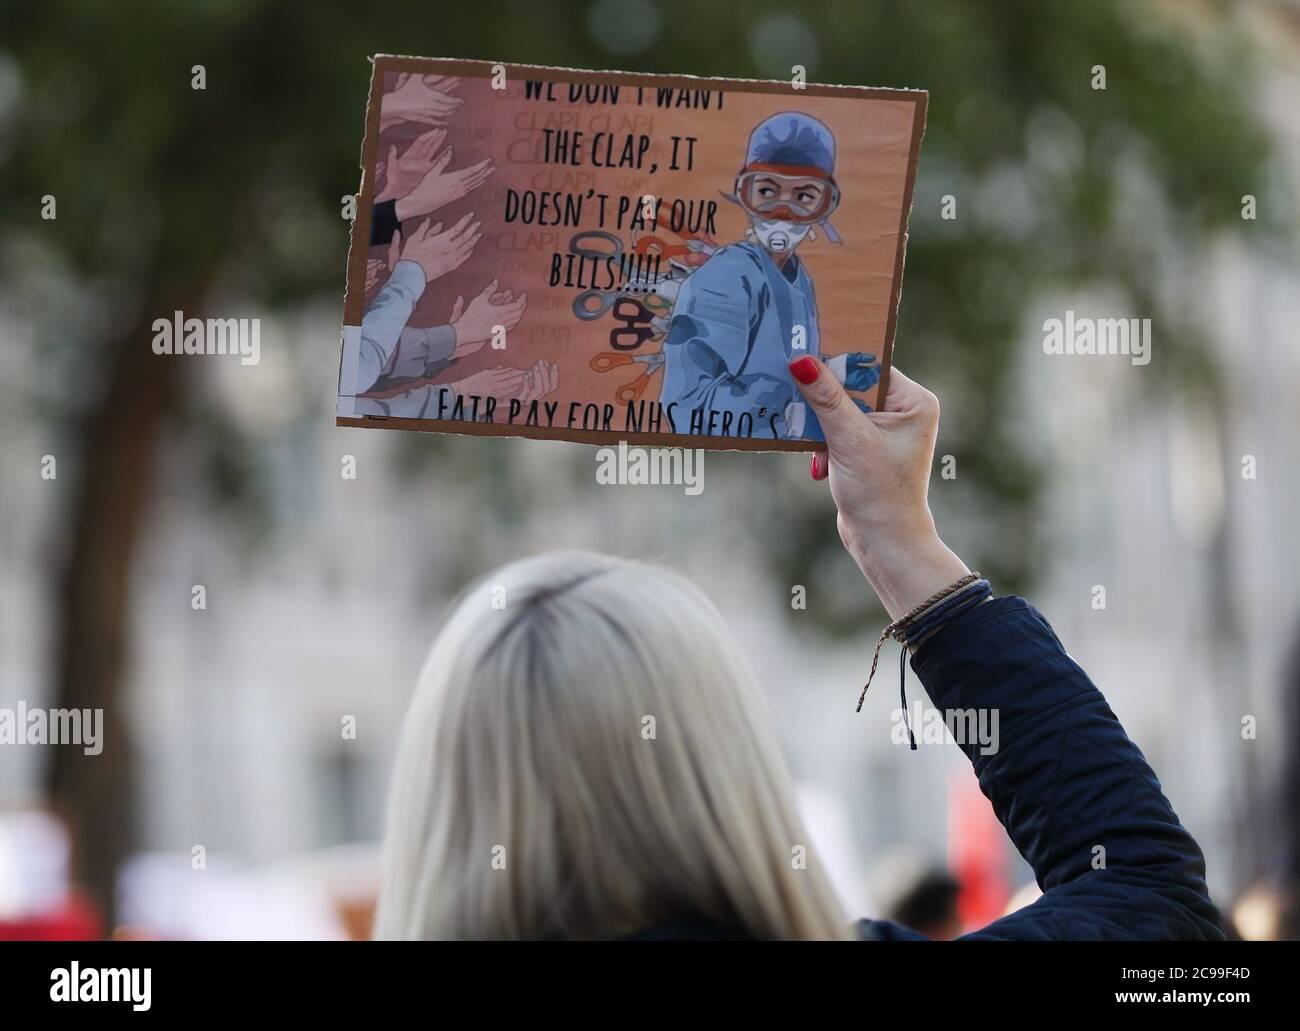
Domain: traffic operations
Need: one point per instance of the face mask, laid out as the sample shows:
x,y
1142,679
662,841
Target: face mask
x,y
779,237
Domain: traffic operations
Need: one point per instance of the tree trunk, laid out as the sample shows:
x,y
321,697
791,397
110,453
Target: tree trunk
x,y
118,444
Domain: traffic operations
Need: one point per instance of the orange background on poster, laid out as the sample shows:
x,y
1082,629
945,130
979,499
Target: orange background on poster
x,y
853,280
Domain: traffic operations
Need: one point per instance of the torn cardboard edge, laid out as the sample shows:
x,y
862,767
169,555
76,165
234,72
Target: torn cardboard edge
x,y
354,292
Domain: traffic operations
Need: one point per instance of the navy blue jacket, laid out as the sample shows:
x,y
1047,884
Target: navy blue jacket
x,y
1065,778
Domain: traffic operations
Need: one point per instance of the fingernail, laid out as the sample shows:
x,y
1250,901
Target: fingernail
x,y
812,467
804,370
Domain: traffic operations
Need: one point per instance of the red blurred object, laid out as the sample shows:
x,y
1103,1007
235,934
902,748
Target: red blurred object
x,y
78,920
977,852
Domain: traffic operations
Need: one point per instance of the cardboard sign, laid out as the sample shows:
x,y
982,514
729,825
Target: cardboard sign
x,y
605,256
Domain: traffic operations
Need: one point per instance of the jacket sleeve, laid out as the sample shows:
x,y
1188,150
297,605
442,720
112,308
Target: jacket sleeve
x,y
423,351
383,222
383,323
1067,783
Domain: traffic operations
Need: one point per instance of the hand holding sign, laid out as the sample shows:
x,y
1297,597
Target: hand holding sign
x,y
879,471
698,303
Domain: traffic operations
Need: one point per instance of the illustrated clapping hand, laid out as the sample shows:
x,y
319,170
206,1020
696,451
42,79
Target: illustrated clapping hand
x,y
377,269
402,173
525,385
539,381
439,252
374,270
499,382
476,322
438,187
420,98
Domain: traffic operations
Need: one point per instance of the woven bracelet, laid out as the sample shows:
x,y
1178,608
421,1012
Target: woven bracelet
x,y
918,624
922,620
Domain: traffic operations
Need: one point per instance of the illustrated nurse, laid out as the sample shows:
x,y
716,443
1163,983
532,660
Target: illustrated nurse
x,y
747,312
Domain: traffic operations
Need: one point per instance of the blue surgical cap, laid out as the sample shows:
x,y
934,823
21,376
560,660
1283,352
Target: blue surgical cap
x,y
793,139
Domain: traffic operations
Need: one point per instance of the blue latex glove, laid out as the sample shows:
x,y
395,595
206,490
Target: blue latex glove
x,y
861,371
812,427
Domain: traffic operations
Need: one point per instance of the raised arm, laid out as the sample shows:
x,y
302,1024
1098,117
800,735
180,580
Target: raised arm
x,y
384,323
427,253
1074,793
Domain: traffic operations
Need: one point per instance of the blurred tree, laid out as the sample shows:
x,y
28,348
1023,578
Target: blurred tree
x,y
165,191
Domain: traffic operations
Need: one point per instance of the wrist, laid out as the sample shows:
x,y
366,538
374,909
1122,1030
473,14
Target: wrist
x,y
906,569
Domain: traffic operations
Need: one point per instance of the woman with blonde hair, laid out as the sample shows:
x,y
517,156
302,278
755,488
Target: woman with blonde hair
x,y
588,756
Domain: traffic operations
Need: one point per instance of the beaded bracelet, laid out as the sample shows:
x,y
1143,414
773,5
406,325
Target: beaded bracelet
x,y
925,619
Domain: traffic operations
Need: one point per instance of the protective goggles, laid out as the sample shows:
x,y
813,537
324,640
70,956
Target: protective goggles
x,y
779,196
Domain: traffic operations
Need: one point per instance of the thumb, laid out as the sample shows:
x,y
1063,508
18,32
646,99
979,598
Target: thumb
x,y
837,413
456,309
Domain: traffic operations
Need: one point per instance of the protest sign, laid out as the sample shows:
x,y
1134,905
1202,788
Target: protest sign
x,y
607,256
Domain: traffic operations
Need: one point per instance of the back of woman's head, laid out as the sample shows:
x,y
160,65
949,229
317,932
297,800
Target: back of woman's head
x,y
587,755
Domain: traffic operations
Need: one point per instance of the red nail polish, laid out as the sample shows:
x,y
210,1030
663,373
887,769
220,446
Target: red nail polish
x,y
804,370
812,470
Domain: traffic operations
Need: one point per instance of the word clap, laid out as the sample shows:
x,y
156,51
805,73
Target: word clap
x,y
647,254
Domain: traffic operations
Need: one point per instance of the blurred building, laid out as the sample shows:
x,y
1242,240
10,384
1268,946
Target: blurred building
x,y
243,712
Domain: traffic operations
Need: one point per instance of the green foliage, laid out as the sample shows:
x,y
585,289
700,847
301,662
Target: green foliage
x,y
163,189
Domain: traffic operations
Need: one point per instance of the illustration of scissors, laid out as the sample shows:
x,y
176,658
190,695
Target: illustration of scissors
x,y
592,304
658,293
693,253
655,293
636,325
606,361
656,303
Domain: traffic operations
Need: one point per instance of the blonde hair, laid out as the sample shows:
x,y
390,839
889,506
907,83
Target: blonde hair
x,y
587,755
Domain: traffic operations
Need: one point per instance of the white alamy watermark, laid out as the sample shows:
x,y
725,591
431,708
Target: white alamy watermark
x,y
644,466
179,335
75,983
1128,338
976,727
24,725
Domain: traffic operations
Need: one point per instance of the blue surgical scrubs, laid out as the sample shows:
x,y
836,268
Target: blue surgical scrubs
x,y
730,343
